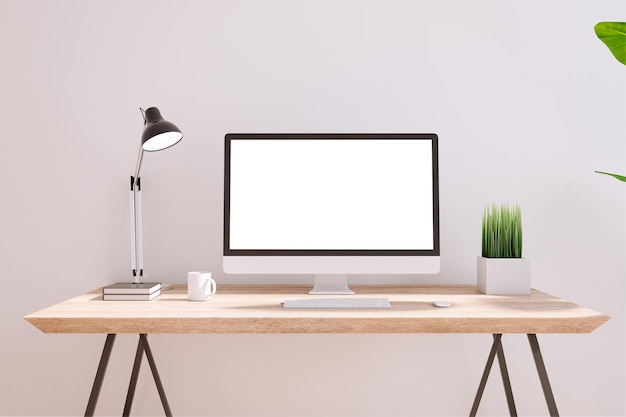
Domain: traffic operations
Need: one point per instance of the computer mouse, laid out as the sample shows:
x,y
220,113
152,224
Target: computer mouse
x,y
442,304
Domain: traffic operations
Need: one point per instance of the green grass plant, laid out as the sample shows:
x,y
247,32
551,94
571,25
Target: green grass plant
x,y
502,231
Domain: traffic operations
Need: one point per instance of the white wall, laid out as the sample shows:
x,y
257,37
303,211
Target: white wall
x,y
527,103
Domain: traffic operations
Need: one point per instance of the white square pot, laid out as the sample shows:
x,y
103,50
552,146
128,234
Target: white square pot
x,y
502,276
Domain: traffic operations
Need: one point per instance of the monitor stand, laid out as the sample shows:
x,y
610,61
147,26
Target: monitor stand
x,y
331,284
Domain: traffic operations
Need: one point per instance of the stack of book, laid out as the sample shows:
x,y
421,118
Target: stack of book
x,y
128,291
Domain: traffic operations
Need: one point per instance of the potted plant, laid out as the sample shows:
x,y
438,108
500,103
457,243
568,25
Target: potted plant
x,y
501,268
613,34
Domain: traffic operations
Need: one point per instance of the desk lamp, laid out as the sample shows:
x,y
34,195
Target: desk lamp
x,y
158,134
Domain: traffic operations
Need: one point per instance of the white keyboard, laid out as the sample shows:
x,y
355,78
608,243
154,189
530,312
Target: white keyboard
x,y
342,302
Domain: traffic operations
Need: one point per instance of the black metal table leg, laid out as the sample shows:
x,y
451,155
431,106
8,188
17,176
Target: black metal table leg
x,y
483,380
543,375
102,367
496,349
133,380
155,374
144,346
506,381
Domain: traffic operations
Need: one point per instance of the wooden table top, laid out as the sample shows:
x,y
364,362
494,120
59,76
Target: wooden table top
x,y
258,309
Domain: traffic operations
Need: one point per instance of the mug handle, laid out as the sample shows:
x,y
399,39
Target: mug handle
x,y
213,286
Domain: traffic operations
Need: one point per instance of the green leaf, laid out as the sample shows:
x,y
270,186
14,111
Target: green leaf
x,y
613,34
619,177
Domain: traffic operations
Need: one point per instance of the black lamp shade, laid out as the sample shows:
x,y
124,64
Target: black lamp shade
x,y
158,134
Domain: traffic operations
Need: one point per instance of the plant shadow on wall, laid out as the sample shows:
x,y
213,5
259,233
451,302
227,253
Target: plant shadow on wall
x,y
613,34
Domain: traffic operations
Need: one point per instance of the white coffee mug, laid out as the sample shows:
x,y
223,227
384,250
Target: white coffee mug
x,y
200,286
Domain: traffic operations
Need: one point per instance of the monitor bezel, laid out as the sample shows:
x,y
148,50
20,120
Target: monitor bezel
x,y
432,137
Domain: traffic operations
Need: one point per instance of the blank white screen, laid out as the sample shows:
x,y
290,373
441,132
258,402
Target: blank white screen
x,y
331,194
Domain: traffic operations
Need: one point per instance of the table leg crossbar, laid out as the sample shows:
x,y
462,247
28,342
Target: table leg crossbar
x,y
497,350
142,346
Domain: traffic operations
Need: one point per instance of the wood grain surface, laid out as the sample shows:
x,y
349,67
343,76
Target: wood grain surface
x,y
258,309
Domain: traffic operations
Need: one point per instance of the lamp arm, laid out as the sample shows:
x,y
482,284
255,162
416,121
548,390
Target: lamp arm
x,y
136,233
133,228
139,228
137,169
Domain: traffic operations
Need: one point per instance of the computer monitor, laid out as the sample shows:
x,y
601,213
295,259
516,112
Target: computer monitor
x,y
331,205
